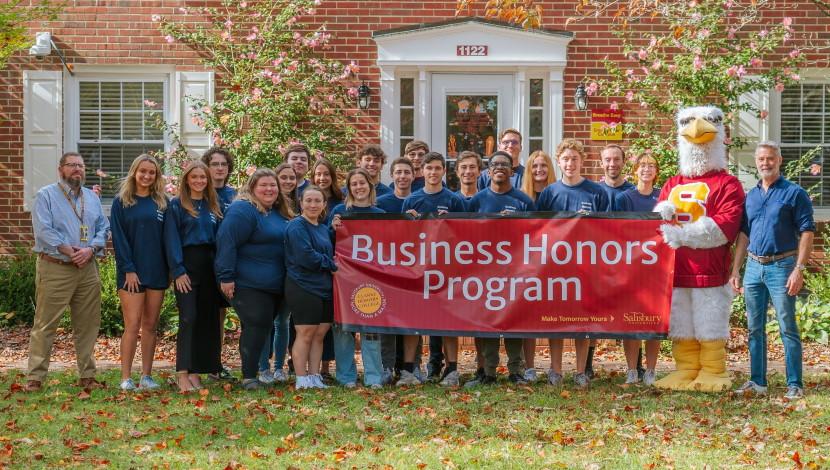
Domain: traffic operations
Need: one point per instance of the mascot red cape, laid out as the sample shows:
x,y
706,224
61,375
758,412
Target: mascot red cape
x,y
704,205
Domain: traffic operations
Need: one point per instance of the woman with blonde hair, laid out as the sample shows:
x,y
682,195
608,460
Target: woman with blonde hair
x,y
137,221
190,243
542,175
250,264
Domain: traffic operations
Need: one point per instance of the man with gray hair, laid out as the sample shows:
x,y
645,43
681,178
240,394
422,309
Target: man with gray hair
x,y
70,230
777,235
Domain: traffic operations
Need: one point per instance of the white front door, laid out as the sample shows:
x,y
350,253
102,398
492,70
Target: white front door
x,y
469,110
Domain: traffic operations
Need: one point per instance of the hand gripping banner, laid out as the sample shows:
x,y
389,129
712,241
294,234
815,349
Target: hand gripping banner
x,y
530,275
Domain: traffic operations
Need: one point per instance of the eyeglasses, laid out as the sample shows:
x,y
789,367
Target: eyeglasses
x,y
499,165
75,165
219,164
508,143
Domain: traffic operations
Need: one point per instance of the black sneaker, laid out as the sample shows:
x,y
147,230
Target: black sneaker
x,y
483,380
517,379
434,371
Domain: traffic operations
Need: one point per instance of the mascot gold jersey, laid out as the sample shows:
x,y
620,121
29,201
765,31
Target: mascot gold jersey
x,y
703,205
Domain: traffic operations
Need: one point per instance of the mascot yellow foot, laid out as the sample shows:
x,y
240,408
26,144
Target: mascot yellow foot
x,y
713,376
687,359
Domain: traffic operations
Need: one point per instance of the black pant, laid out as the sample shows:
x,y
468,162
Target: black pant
x,y
436,352
257,310
198,342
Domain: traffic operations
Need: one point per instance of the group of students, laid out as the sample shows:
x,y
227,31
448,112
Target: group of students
x,y
268,251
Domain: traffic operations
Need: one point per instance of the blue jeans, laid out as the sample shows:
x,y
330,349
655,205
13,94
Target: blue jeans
x,y
764,283
277,342
346,370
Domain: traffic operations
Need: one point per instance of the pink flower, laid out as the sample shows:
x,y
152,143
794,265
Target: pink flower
x,y
786,38
256,93
794,53
731,71
787,21
170,39
643,104
182,10
150,103
170,188
206,110
698,63
672,67
730,34
156,18
763,33
656,65
276,79
226,35
615,105
796,77
250,170
642,55
629,72
592,88
756,62
652,42
703,34
251,37
763,114
243,5
727,141
228,23
101,173
352,92
779,87
629,96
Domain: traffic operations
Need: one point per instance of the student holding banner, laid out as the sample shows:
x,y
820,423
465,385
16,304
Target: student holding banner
x,y
500,198
572,193
468,169
433,198
414,152
360,198
642,198
541,176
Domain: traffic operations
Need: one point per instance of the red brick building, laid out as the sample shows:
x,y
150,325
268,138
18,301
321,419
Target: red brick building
x,y
421,62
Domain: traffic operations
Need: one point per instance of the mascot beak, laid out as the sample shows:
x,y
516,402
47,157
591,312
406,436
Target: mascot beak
x,y
699,131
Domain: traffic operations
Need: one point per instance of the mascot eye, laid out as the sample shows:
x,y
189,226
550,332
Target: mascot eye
x,y
685,121
715,120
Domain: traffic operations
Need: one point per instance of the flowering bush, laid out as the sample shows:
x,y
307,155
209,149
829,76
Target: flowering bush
x,y
273,85
694,53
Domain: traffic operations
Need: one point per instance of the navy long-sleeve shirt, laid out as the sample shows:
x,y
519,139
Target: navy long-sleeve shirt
x,y
585,196
250,248
425,203
391,203
182,229
309,257
226,195
489,201
138,239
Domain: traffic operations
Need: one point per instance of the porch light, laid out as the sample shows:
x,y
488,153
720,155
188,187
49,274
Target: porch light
x,y
363,98
581,98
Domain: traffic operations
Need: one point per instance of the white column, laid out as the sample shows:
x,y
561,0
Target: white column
x,y
556,113
521,112
389,117
422,107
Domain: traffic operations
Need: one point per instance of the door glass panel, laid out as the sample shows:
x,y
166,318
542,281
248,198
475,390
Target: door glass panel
x,y
472,123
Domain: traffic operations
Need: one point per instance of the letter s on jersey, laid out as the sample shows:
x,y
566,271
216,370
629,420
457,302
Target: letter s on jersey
x,y
690,201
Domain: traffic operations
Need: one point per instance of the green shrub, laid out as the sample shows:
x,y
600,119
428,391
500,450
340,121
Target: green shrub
x,y
737,316
17,287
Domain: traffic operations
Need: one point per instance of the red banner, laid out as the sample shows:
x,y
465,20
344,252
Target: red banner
x,y
587,276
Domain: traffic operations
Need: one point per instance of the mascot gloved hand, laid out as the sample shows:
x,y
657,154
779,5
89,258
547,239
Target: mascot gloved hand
x,y
704,206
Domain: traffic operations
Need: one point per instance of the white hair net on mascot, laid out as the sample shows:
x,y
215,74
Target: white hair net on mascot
x,y
704,205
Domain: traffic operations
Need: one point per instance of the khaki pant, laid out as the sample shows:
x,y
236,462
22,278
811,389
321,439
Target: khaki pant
x,y
59,286
513,347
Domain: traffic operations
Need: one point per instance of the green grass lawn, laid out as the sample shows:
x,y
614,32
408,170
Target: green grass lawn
x,y
423,427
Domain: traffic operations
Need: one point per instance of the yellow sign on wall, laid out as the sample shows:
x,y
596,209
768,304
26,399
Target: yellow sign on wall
x,y
606,124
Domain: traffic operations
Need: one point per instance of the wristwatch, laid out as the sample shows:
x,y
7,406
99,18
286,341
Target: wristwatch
x,y
801,267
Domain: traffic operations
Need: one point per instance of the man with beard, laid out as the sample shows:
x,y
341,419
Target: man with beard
x,y
70,230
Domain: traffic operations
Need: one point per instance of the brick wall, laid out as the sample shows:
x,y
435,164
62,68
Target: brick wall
x,y
121,32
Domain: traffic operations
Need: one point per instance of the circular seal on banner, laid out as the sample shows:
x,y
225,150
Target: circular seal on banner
x,y
368,300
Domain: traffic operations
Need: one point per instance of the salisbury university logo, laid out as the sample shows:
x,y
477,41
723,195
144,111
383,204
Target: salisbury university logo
x,y
368,300
690,201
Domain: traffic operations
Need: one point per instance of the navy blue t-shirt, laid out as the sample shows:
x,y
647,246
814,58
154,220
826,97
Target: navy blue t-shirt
x,y
773,220
417,183
138,240
342,210
250,248
462,196
489,201
613,192
309,256
391,203
633,201
426,203
585,196
182,229
515,180
380,190
226,195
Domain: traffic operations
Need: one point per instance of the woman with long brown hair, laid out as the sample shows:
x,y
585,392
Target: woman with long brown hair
x,y
250,264
137,221
190,243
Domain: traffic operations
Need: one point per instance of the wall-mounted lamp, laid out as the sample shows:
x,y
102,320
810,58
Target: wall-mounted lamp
x,y
581,98
43,47
363,98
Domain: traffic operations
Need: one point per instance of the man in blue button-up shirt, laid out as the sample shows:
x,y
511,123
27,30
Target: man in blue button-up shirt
x,y
777,234
70,230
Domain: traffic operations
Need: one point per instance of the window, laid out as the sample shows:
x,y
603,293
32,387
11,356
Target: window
x,y
536,117
116,123
805,124
407,110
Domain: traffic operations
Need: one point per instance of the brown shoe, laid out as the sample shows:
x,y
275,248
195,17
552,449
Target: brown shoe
x,y
89,383
33,386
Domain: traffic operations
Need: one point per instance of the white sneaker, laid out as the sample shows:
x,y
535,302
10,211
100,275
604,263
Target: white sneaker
x,y
407,378
376,386
419,374
127,385
303,381
649,377
266,377
794,392
317,381
751,388
530,375
147,383
554,378
279,376
632,377
350,385
453,379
